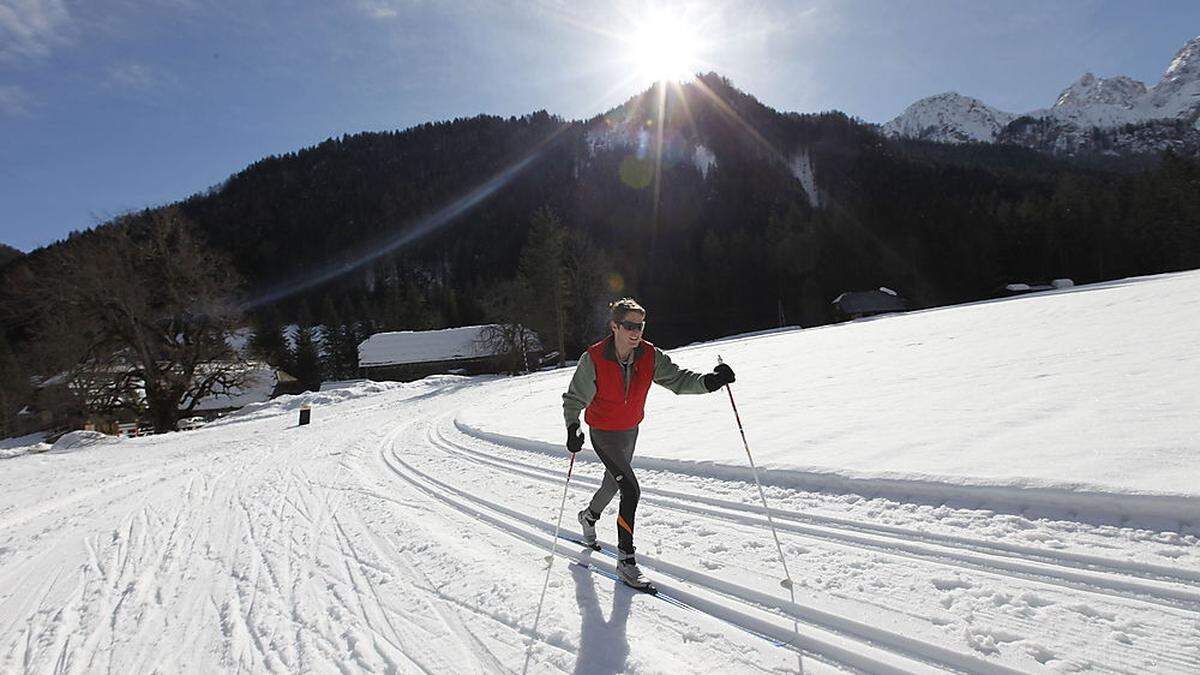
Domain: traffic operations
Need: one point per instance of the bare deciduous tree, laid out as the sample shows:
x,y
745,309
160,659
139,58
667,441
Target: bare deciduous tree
x,y
515,345
138,312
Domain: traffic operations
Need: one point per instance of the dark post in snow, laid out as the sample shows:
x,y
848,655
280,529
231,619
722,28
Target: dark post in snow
x,y
305,414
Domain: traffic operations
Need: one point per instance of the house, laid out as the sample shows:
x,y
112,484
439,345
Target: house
x,y
263,383
404,356
857,304
59,403
285,383
1009,290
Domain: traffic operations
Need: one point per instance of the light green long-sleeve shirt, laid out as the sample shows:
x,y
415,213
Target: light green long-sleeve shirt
x,y
583,383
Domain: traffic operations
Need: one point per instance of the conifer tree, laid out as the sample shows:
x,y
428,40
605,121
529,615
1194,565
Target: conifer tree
x,y
267,341
306,357
542,277
14,388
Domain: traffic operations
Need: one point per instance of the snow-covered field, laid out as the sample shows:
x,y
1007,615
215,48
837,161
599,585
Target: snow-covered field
x,y
999,487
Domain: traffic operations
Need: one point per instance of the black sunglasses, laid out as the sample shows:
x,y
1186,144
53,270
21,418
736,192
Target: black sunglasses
x,y
632,325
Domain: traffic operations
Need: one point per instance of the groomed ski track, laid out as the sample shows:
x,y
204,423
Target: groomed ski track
x,y
385,538
858,652
1078,573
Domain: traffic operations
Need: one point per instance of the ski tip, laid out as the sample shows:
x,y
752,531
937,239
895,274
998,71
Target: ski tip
x,y
648,588
594,547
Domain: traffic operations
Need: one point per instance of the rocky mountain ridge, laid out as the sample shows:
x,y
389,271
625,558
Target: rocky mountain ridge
x,y
1094,115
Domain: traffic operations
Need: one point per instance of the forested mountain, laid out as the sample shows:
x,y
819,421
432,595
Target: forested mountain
x,y
753,218
8,253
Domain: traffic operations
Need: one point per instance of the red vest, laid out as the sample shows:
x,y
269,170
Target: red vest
x,y
615,407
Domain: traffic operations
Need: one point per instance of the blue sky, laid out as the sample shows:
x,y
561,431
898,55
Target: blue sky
x,y
112,105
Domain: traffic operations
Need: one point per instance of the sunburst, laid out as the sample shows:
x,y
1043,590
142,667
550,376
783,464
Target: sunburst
x,y
664,47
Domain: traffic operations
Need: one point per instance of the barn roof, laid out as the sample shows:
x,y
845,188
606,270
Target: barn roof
x,y
422,346
858,302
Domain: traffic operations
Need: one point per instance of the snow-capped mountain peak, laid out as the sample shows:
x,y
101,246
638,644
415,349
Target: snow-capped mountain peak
x,y
1090,90
950,118
1186,62
1111,115
1177,94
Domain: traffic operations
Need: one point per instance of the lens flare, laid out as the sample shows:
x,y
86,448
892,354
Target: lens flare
x,y
616,283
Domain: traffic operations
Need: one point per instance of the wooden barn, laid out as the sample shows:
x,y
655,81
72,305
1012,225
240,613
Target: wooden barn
x,y
404,356
858,304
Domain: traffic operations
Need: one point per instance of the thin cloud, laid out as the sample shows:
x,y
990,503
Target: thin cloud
x,y
379,9
136,76
31,29
15,101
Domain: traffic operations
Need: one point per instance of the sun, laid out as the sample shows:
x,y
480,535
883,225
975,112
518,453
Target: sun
x,y
664,48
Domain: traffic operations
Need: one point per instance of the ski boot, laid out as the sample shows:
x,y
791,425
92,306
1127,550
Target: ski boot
x,y
588,523
628,570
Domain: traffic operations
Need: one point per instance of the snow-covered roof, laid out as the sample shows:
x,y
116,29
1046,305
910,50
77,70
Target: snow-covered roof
x,y
260,383
403,347
1021,287
882,300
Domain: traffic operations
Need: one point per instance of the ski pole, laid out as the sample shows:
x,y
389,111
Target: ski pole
x,y
787,581
561,507
550,560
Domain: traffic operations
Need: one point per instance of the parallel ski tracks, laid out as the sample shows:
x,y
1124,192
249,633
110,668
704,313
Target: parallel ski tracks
x,y
1140,582
823,635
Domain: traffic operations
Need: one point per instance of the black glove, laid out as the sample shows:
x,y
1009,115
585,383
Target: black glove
x,y
574,438
719,377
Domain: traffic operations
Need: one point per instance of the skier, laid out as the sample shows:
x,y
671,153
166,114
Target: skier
x,y
610,384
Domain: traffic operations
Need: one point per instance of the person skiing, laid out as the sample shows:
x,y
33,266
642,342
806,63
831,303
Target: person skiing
x,y
610,385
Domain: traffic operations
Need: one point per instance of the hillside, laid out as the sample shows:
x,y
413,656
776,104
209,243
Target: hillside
x,y
999,487
8,253
721,202
1079,394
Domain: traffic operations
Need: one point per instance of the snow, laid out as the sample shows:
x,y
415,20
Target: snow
x,y
239,340
1090,90
385,349
1177,94
1005,486
260,382
341,384
78,440
19,445
950,118
802,169
1049,391
1088,102
704,159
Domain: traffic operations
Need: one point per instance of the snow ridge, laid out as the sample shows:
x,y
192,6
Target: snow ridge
x,y
1091,90
950,118
1091,102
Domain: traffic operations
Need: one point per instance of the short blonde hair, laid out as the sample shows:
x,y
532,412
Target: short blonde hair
x,y
618,309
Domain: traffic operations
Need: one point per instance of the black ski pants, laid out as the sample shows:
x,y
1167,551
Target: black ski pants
x,y
615,449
